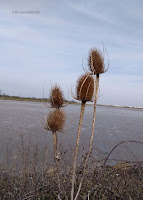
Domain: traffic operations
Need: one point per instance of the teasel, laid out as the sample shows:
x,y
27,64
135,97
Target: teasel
x,y
56,97
96,61
84,93
55,123
96,66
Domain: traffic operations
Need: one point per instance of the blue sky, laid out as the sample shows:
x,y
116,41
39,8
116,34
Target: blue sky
x,y
48,47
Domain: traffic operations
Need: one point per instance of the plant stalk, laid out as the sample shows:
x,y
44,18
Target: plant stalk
x,y
77,147
55,142
92,135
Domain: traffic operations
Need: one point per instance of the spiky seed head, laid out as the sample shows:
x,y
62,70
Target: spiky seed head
x,y
96,61
85,88
56,120
56,97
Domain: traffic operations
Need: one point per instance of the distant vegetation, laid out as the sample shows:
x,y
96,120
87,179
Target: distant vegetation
x,y
33,99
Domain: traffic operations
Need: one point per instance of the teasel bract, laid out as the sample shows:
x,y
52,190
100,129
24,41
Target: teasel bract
x,y
55,123
84,93
96,66
96,61
56,119
85,88
56,97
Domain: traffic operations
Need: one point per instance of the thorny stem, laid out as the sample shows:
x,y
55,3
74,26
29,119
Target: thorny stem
x,y
92,136
76,147
55,142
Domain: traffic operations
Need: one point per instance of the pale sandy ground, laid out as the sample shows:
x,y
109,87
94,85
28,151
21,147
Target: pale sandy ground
x,y
113,125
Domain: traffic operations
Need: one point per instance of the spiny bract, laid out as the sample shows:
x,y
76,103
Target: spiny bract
x,y
85,88
56,97
96,61
56,120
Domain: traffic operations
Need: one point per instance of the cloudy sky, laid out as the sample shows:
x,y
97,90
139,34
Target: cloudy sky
x,y
40,49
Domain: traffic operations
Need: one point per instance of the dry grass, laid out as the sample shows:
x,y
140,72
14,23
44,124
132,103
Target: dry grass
x,y
31,175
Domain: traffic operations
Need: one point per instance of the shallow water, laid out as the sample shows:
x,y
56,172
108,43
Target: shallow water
x,y
113,125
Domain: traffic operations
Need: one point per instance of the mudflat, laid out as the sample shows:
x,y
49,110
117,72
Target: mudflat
x,y
113,125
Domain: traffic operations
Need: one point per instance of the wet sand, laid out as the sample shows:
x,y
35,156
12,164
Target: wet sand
x,y
113,125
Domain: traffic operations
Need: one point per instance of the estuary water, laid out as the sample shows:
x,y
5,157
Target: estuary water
x,y
113,125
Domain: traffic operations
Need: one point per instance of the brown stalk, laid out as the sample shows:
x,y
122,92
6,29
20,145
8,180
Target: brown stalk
x,y
55,123
55,143
85,90
97,67
92,135
77,146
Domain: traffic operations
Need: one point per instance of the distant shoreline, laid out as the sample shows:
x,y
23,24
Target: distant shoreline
x,y
70,102
31,99
118,106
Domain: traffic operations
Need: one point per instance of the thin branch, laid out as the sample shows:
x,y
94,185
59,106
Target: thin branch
x,y
130,141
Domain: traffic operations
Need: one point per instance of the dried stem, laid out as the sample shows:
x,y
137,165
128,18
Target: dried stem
x,y
76,148
128,141
55,142
92,136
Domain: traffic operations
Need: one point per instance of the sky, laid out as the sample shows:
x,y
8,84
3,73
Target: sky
x,y
51,46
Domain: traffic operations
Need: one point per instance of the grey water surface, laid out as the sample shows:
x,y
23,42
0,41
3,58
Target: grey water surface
x,y
113,125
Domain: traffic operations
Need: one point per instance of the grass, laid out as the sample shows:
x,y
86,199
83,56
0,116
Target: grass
x,y
108,183
30,174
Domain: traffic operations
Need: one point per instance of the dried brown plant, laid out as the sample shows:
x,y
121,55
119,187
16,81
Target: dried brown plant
x,y
56,97
56,120
91,139
84,93
31,176
55,123
97,67
96,61
85,88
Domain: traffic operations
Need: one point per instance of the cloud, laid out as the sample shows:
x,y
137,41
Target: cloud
x,y
51,46
91,14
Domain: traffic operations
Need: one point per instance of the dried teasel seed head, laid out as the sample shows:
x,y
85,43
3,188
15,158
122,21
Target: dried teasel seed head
x,y
56,97
56,120
85,88
96,61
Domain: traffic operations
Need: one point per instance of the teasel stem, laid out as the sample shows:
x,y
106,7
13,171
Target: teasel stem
x,y
92,136
77,147
55,142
